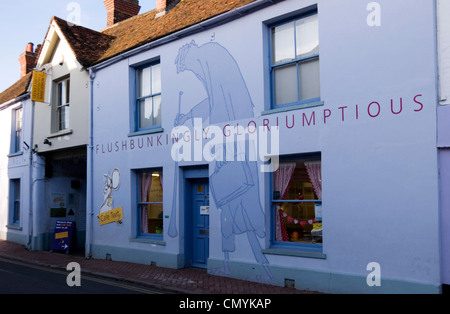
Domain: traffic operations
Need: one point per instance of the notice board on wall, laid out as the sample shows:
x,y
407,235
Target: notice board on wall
x,y
62,239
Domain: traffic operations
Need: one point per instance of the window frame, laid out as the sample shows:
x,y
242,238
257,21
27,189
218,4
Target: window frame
x,y
15,203
60,106
274,244
137,98
16,147
139,233
297,61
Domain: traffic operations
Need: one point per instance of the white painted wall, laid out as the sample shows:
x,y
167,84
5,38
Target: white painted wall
x,y
79,101
15,167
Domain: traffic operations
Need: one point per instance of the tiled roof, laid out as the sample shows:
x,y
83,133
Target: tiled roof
x,y
145,28
17,89
87,45
91,47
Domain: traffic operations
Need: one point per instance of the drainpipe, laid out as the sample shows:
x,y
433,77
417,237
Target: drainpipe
x,y
31,182
90,170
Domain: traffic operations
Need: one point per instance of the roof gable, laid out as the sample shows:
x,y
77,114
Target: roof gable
x,y
87,45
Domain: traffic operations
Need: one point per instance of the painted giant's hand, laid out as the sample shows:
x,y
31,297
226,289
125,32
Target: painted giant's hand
x,y
182,118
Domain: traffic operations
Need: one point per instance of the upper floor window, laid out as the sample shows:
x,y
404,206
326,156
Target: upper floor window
x,y
295,61
17,146
148,100
62,104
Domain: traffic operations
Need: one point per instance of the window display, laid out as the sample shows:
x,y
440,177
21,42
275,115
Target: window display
x,y
297,201
151,202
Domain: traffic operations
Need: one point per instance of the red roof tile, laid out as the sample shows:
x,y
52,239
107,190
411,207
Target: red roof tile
x,y
91,47
145,28
17,89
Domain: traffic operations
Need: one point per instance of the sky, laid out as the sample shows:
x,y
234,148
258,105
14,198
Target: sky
x,y
24,21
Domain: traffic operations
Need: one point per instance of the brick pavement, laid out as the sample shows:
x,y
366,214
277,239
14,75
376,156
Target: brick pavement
x,y
182,281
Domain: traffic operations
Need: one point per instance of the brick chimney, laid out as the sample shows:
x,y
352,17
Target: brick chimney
x,y
28,59
120,10
163,6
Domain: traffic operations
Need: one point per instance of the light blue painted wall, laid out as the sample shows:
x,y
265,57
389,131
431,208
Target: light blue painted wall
x,y
380,193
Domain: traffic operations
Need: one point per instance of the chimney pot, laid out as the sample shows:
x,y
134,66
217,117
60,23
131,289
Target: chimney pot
x,y
29,47
163,6
120,10
28,60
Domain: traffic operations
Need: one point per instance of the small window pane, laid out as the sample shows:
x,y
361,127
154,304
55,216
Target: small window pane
x,y
16,205
67,95
307,36
156,79
144,85
285,84
150,187
19,119
309,79
283,43
60,93
145,113
64,117
157,110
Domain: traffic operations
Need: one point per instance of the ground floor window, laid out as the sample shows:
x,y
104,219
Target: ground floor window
x,y
15,201
297,201
150,203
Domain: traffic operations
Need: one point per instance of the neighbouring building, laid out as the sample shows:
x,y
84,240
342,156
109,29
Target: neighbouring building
x,y
15,162
443,134
279,141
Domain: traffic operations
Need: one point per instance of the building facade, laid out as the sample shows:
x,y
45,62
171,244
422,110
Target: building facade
x,y
16,162
304,152
357,178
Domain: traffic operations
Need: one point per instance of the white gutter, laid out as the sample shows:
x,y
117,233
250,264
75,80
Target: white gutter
x,y
13,101
31,205
214,21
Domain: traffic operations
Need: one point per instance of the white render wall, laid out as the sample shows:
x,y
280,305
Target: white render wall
x,y
79,101
15,167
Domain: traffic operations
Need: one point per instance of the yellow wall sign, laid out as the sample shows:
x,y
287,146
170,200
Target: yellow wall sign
x,y
38,87
111,216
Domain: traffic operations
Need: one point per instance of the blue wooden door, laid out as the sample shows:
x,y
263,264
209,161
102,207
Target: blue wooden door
x,y
200,223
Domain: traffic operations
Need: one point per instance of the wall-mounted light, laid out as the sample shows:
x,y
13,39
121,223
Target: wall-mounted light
x,y
61,60
46,141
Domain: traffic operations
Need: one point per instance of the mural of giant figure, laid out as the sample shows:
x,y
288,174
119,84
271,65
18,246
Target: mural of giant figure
x,y
234,184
